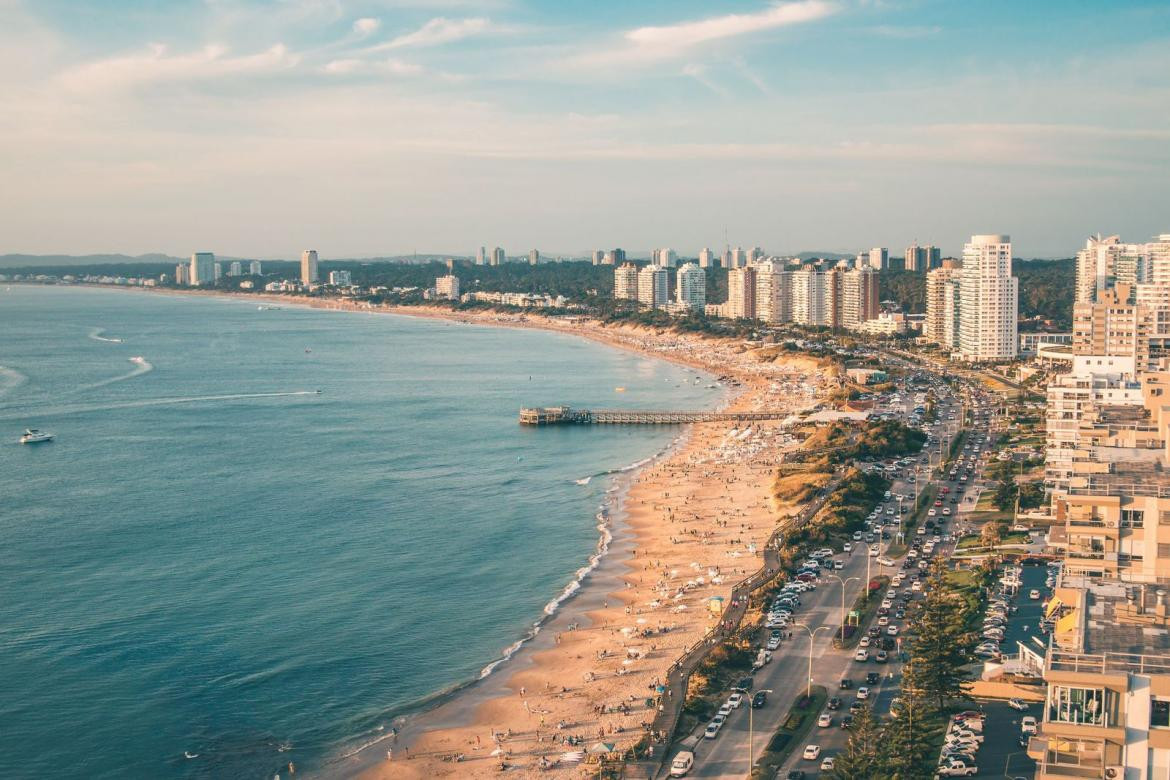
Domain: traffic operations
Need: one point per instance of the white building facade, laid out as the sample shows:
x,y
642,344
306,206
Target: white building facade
x,y
989,300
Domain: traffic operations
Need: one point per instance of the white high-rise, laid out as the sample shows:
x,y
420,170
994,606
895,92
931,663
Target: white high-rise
x,y
653,286
498,257
706,258
309,266
625,282
690,286
808,297
534,257
1095,266
738,258
773,292
741,293
236,268
942,307
598,256
254,268
445,287
202,269
915,258
878,258
480,256
664,258
859,297
988,300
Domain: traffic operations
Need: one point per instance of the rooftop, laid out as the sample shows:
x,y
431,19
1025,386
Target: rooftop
x,y
1125,629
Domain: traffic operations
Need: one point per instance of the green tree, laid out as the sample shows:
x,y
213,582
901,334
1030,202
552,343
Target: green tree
x,y
908,750
861,759
1005,495
939,644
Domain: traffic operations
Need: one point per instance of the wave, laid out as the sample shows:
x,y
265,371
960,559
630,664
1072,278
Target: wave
x,y
96,335
141,366
622,470
65,410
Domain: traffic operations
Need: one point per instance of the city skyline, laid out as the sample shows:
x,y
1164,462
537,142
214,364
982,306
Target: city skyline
x,y
381,128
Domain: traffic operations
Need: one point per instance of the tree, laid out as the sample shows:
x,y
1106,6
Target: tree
x,y
861,758
908,752
1005,495
939,645
990,535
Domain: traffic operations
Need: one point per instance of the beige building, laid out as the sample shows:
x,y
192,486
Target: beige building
x,y
773,292
942,307
625,282
741,293
309,273
808,297
859,296
653,287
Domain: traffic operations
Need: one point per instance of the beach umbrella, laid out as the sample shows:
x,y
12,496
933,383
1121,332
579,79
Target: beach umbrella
x,y
602,747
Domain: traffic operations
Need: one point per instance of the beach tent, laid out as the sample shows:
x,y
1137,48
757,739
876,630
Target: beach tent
x,y
602,747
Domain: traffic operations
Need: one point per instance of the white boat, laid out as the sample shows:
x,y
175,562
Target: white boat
x,y
33,436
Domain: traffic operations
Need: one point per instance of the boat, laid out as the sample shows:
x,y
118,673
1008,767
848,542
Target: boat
x,y
33,436
138,359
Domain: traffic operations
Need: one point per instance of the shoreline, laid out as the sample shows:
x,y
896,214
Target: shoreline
x,y
646,507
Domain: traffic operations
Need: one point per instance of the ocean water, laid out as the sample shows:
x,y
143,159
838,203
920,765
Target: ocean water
x,y
213,559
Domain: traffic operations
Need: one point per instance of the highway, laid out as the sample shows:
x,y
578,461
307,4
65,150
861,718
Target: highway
x,y
727,755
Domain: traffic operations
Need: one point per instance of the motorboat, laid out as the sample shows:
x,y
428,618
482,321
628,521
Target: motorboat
x,y
33,436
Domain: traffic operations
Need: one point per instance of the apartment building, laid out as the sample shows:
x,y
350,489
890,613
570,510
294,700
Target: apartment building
x,y
859,296
988,301
942,307
808,297
741,293
653,286
1118,324
625,282
690,287
1107,677
773,292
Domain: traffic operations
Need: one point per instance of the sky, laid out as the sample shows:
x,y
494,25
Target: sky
x,y
383,127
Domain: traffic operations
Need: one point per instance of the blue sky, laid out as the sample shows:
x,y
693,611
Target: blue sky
x,y
371,127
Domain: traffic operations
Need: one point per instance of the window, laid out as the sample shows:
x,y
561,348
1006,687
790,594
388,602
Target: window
x,y
1080,705
1163,550
1131,518
1160,713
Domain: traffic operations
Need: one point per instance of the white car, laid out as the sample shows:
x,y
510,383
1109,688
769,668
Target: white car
x,y
862,693
827,764
811,752
773,643
861,656
864,641
735,700
712,729
848,547
725,710
825,720
892,630
1028,725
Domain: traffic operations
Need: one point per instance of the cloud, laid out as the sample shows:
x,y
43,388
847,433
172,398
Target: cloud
x,y
648,44
392,67
746,71
157,65
366,26
437,32
699,74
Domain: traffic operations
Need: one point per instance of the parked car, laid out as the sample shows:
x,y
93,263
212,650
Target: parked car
x,y
811,752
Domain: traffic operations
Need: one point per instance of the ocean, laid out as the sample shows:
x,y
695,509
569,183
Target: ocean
x,y
213,559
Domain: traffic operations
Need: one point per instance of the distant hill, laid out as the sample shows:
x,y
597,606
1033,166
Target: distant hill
x,y
26,261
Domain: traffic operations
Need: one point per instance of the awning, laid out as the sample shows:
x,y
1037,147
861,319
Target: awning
x,y
1067,624
1053,605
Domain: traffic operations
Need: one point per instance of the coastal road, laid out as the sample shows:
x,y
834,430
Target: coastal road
x,y
728,755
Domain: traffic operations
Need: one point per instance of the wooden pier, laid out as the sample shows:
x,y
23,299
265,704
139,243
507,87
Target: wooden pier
x,y
564,415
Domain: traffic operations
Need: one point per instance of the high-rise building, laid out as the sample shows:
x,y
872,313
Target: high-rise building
x,y
738,258
808,297
773,293
625,282
480,256
988,300
741,293
915,258
340,278
755,255
182,274
664,258
878,258
859,296
498,256
706,258
690,286
202,269
1095,266
933,257
726,258
533,257
834,295
1105,262
942,311
217,271
653,286
309,267
598,256
255,269
236,269
447,287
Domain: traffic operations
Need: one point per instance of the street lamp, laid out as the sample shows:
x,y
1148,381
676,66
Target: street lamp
x,y
837,577
812,632
751,752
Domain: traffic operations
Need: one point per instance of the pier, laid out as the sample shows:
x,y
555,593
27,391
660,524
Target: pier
x,y
565,415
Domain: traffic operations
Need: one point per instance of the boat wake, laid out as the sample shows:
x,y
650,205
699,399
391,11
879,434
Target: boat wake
x,y
96,335
81,409
141,366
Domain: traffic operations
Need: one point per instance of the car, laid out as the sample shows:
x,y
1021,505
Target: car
x,y
845,683
759,700
835,703
795,774
1028,725
712,730
1018,704
735,700
825,720
827,764
883,620
682,763
745,684
725,710
856,705
892,630
861,656
884,561
863,642
873,678
881,657
773,644
811,752
863,693
1034,594
846,721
